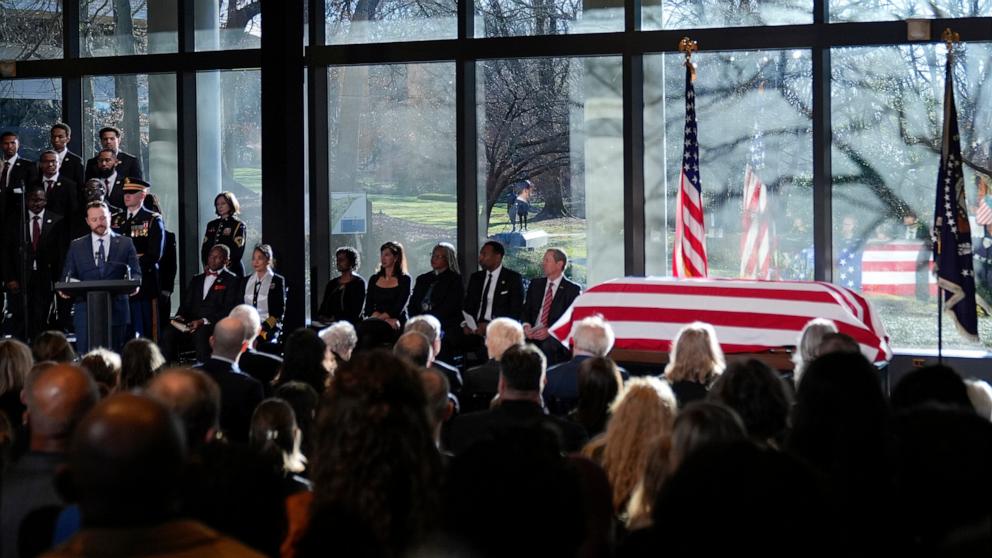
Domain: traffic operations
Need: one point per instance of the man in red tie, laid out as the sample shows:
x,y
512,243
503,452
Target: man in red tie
x,y
547,299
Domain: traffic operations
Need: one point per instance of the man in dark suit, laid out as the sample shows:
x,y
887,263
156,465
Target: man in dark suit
x,y
259,365
239,392
547,299
93,191
591,337
210,297
106,172
493,292
70,164
482,382
61,191
521,377
16,174
430,327
148,234
44,245
439,293
127,166
101,255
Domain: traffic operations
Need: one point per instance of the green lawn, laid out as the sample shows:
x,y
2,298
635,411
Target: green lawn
x,y
250,177
425,212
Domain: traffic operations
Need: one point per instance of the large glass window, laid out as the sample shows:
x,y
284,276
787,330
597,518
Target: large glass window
x,y
229,147
227,24
509,18
753,111
553,127
662,14
360,21
887,117
881,10
29,107
392,159
123,27
30,29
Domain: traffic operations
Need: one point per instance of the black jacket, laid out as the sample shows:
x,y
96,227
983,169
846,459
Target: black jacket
x,y
223,296
239,395
445,298
466,430
508,298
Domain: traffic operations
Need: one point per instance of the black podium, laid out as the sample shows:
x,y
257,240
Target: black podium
x,y
99,296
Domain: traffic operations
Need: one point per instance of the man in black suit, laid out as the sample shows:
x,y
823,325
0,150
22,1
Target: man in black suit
x,y
127,166
16,174
430,327
493,292
148,234
591,337
44,247
106,172
259,365
61,191
239,392
93,191
210,297
547,299
70,164
521,377
482,382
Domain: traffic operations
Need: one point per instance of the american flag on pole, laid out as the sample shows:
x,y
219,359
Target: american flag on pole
x,y
951,230
757,229
689,257
984,214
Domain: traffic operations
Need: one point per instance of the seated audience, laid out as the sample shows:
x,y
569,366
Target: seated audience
x,y
700,424
304,360
646,409
599,384
125,466
431,328
53,346
265,290
275,436
303,399
210,296
340,339
521,377
239,392
931,386
439,293
808,346
839,343
980,394
15,363
695,362
482,382
57,397
548,297
414,348
105,367
493,292
140,361
260,365
591,337
439,405
389,288
194,398
759,396
657,469
344,296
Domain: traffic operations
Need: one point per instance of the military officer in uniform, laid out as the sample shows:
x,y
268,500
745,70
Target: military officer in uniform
x,y
147,232
228,230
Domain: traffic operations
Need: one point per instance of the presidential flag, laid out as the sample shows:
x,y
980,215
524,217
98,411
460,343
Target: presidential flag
x,y
952,253
689,257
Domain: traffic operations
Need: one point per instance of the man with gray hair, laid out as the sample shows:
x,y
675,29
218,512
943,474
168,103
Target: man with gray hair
x,y
430,327
239,392
591,337
482,381
341,338
259,365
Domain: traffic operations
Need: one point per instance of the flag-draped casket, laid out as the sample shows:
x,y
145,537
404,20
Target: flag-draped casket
x,y
749,316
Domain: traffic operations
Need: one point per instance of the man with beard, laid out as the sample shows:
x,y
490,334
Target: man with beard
x,y
106,171
127,166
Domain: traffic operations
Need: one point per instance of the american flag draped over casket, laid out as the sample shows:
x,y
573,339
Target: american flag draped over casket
x,y
749,316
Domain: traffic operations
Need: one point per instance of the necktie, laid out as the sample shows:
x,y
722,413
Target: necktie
x,y
254,300
549,295
106,186
35,232
101,256
485,296
48,186
3,174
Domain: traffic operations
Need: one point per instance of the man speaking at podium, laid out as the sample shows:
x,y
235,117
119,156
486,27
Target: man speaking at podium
x,y
101,255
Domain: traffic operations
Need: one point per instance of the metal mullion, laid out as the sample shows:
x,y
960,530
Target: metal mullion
x,y
633,165
822,139
318,160
189,218
141,64
467,166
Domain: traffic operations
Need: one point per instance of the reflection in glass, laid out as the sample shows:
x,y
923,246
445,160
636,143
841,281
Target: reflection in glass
x,y
392,160
887,116
29,107
507,18
126,27
884,10
229,147
753,112
685,14
557,123
359,21
227,24
31,30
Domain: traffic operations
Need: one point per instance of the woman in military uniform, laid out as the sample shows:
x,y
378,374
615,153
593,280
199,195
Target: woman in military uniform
x,y
266,291
228,230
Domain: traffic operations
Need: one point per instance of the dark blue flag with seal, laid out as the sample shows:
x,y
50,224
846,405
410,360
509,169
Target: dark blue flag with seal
x,y
952,251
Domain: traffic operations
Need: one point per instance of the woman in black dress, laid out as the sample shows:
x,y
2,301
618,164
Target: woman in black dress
x,y
266,291
228,230
389,289
345,294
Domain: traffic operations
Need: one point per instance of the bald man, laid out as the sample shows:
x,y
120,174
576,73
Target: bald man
x,y
415,348
125,467
56,397
239,392
194,398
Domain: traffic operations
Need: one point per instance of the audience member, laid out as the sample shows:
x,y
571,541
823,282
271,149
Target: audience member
x,y
599,384
56,397
275,436
53,346
125,467
493,292
304,360
260,365
195,398
482,382
838,343
439,293
140,360
657,469
303,399
521,377
980,394
239,392
414,348
547,299
340,339
695,362
344,295
591,337
934,386
105,367
700,424
15,363
646,409
759,396
439,403
429,325
809,345
389,288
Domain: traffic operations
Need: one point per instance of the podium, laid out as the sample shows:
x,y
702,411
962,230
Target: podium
x,y
99,297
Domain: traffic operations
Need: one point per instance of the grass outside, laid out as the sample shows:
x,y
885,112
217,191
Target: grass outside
x,y
912,324
249,177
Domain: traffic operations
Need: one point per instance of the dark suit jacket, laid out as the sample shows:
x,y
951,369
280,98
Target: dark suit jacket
x,y
115,191
21,175
239,395
261,366
47,260
224,295
128,166
445,302
565,295
508,298
466,430
168,266
72,168
481,385
64,197
454,376
148,234
561,393
80,264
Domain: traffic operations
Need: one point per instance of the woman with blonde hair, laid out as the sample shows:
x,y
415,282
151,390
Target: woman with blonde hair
x,y
694,362
645,411
15,363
